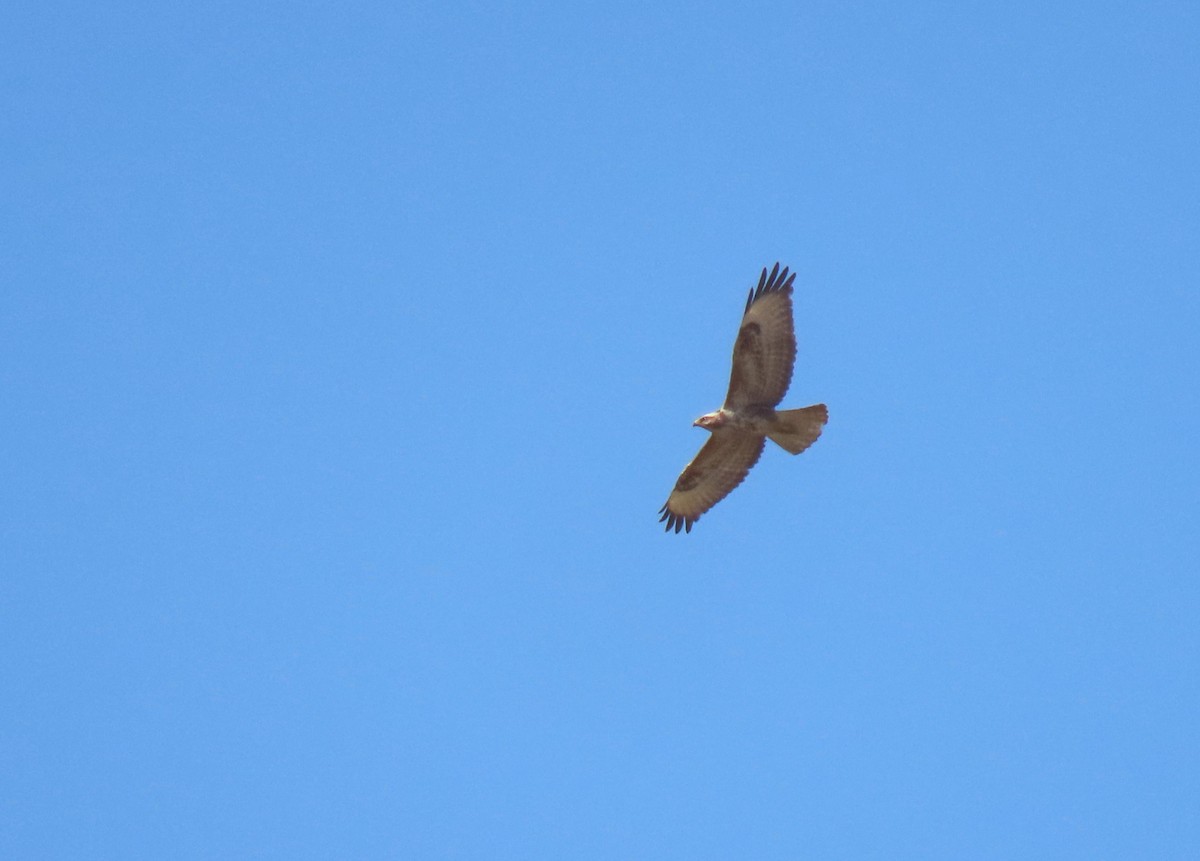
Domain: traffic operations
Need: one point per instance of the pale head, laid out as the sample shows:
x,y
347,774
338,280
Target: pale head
x,y
710,421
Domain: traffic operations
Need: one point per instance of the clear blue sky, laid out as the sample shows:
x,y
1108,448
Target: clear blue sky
x,y
347,352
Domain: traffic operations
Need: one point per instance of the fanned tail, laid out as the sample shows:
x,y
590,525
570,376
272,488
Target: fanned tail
x,y
796,430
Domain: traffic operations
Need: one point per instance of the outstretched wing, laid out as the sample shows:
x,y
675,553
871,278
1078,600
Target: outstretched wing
x,y
720,466
766,344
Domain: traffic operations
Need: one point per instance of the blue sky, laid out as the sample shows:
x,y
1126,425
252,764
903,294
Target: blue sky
x,y
347,353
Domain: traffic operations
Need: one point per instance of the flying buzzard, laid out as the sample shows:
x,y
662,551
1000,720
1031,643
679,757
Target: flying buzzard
x,y
762,369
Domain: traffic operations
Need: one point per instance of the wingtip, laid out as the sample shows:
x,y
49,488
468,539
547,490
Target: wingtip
x,y
776,281
675,522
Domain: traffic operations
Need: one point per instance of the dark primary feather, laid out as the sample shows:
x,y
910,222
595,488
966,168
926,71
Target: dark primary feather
x,y
675,521
776,282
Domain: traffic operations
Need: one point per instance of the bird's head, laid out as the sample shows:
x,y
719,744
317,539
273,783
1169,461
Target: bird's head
x,y
708,421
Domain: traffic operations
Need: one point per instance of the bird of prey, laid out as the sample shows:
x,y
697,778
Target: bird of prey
x,y
762,370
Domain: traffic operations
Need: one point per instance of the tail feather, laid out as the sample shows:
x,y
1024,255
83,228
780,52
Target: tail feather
x,y
796,430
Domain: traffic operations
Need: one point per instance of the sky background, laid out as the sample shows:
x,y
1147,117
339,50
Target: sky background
x,y
347,352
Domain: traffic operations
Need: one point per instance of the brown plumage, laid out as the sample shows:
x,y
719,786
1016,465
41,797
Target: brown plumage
x,y
763,357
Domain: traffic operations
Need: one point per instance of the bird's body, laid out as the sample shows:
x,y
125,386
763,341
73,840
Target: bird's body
x,y
757,421
763,357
